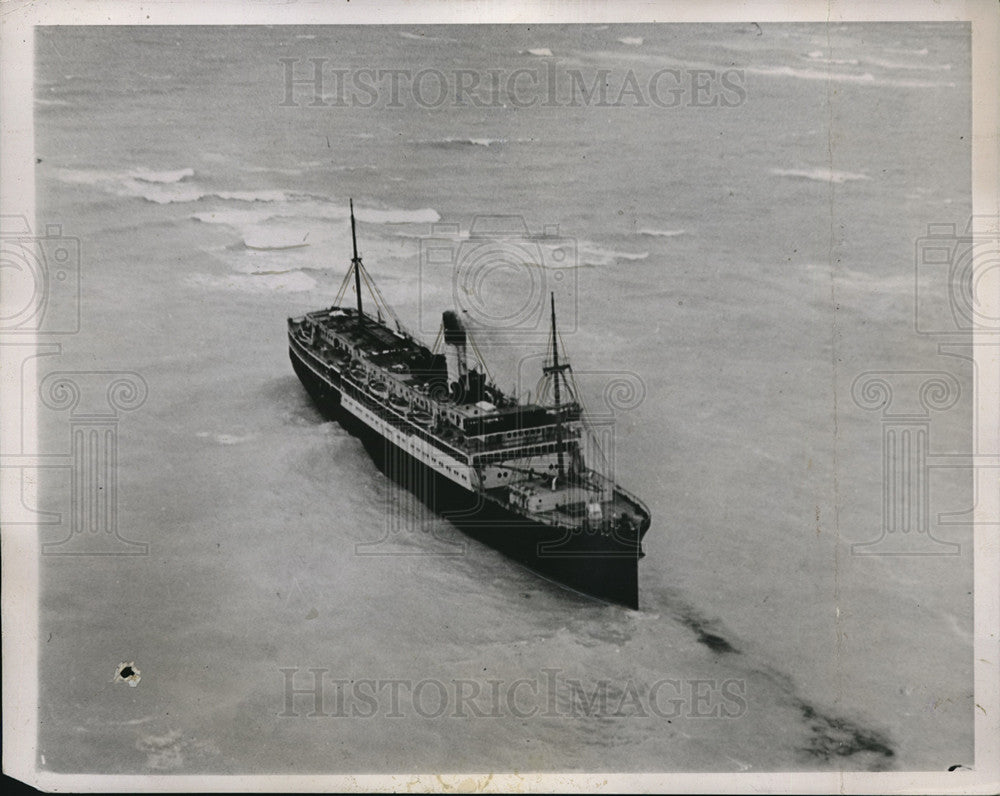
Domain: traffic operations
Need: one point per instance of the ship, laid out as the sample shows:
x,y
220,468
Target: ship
x,y
507,472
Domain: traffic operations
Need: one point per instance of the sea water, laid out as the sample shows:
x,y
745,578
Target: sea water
x,y
735,265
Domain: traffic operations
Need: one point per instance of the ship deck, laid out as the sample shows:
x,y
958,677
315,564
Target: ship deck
x,y
399,357
342,343
575,515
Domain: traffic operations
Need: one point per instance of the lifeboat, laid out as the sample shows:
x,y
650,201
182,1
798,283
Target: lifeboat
x,y
378,388
421,418
399,403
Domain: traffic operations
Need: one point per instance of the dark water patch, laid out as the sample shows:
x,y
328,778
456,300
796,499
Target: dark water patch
x,y
705,629
829,738
833,737
713,641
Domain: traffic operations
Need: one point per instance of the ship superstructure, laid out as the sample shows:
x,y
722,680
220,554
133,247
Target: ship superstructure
x,y
511,474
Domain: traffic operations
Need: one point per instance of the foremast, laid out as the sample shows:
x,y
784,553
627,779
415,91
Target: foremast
x,y
356,267
557,371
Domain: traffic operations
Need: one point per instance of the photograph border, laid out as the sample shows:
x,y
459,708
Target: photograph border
x,y
21,546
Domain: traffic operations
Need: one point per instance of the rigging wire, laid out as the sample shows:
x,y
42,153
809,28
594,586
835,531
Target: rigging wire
x,y
479,356
343,286
585,414
380,301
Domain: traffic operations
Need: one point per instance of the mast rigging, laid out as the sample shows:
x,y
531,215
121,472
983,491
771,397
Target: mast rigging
x,y
356,265
557,370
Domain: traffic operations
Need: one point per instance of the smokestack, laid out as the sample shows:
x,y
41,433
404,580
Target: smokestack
x,y
454,349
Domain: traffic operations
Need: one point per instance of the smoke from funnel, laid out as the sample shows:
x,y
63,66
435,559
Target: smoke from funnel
x,y
454,347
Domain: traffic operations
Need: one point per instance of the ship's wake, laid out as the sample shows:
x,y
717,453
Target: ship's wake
x,y
829,737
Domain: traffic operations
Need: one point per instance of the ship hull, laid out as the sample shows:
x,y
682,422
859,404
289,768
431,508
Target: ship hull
x,y
597,565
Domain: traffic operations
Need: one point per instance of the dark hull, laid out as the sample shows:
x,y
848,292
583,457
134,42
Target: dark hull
x,y
601,566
